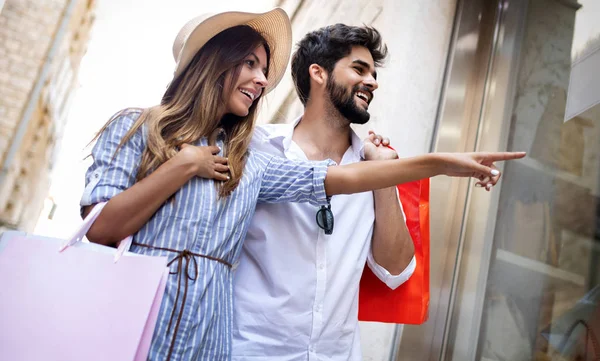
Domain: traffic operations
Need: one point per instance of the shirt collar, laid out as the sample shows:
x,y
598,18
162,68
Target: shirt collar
x,y
282,137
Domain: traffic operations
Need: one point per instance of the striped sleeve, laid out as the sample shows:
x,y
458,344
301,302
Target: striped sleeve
x,y
285,180
111,174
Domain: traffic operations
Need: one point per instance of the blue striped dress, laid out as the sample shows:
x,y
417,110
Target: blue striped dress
x,y
198,222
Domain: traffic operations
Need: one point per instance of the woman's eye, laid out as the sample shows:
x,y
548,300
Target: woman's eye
x,y
250,62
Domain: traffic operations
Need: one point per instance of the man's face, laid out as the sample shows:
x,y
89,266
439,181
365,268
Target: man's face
x,y
351,85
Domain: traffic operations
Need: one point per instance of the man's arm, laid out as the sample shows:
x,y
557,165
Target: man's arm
x,y
392,247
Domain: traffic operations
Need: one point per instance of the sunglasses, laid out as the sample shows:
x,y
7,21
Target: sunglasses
x,y
325,218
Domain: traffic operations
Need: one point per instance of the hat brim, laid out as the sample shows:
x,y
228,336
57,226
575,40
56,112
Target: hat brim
x,y
273,25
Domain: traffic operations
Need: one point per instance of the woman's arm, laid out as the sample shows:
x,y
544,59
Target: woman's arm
x,y
128,211
372,175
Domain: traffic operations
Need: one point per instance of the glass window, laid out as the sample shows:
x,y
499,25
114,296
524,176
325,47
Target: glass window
x,y
543,291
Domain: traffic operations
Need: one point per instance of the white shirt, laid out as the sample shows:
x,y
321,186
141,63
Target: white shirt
x,y
295,288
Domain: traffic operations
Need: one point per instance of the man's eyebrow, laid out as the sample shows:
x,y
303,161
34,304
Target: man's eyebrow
x,y
366,65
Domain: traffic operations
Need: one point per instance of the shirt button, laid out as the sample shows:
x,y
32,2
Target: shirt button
x,y
321,266
311,349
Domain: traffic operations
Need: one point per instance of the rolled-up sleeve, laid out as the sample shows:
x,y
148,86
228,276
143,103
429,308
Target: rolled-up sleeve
x,y
285,180
111,173
392,281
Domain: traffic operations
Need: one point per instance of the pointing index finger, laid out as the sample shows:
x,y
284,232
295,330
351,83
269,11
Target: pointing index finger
x,y
500,156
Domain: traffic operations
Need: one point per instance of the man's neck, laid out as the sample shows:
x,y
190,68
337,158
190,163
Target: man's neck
x,y
323,134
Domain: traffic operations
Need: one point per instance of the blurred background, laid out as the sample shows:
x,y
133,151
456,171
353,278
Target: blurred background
x,y
515,272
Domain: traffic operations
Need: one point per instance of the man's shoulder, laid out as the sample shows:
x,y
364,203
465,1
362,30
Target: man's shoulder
x,y
268,130
269,137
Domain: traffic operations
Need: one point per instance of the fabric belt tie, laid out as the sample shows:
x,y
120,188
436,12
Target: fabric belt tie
x,y
183,259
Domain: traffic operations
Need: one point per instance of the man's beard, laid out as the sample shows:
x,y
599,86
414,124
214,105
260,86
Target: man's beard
x,y
345,102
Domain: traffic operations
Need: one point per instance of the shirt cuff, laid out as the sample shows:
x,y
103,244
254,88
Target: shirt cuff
x,y
86,198
97,191
320,171
392,281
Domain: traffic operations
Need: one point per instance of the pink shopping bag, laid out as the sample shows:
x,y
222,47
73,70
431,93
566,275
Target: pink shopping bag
x,y
63,301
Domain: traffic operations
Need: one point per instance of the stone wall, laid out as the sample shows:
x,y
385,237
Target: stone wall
x,y
28,31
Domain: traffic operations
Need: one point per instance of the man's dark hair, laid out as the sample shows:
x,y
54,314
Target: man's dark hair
x,y
327,45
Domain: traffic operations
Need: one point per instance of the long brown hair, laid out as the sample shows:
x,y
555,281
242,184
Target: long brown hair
x,y
194,106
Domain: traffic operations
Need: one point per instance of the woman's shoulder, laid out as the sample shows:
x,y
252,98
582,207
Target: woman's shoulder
x,y
126,115
120,124
123,120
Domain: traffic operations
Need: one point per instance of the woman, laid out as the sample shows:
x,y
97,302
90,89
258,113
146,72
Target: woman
x,y
157,170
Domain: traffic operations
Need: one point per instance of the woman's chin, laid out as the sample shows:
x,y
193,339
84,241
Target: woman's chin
x,y
241,112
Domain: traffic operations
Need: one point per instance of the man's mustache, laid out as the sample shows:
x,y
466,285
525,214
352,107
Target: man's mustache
x,y
363,89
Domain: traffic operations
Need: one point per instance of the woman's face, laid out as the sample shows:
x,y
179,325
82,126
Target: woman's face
x,y
250,83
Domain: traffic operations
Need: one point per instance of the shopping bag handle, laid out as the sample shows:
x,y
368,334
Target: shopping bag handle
x,y
85,226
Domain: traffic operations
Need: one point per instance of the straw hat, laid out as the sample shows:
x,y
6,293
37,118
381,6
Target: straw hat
x,y
273,25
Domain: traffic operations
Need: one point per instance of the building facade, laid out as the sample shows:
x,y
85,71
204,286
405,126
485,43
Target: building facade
x,y
41,45
515,273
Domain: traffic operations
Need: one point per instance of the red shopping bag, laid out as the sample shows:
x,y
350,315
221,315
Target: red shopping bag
x,y
409,303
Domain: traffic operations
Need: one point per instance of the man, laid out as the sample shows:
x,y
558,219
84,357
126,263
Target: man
x,y
296,287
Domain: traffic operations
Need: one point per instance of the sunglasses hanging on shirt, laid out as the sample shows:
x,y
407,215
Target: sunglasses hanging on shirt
x,y
325,218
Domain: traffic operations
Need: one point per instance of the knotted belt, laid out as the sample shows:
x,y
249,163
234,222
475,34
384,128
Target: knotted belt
x,y
183,259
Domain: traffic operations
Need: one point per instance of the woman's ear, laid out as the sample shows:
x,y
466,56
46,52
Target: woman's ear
x,y
317,74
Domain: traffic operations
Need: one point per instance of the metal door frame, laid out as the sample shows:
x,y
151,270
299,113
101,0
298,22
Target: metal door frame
x,y
463,328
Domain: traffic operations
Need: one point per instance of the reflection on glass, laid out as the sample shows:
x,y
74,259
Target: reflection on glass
x,y
543,292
